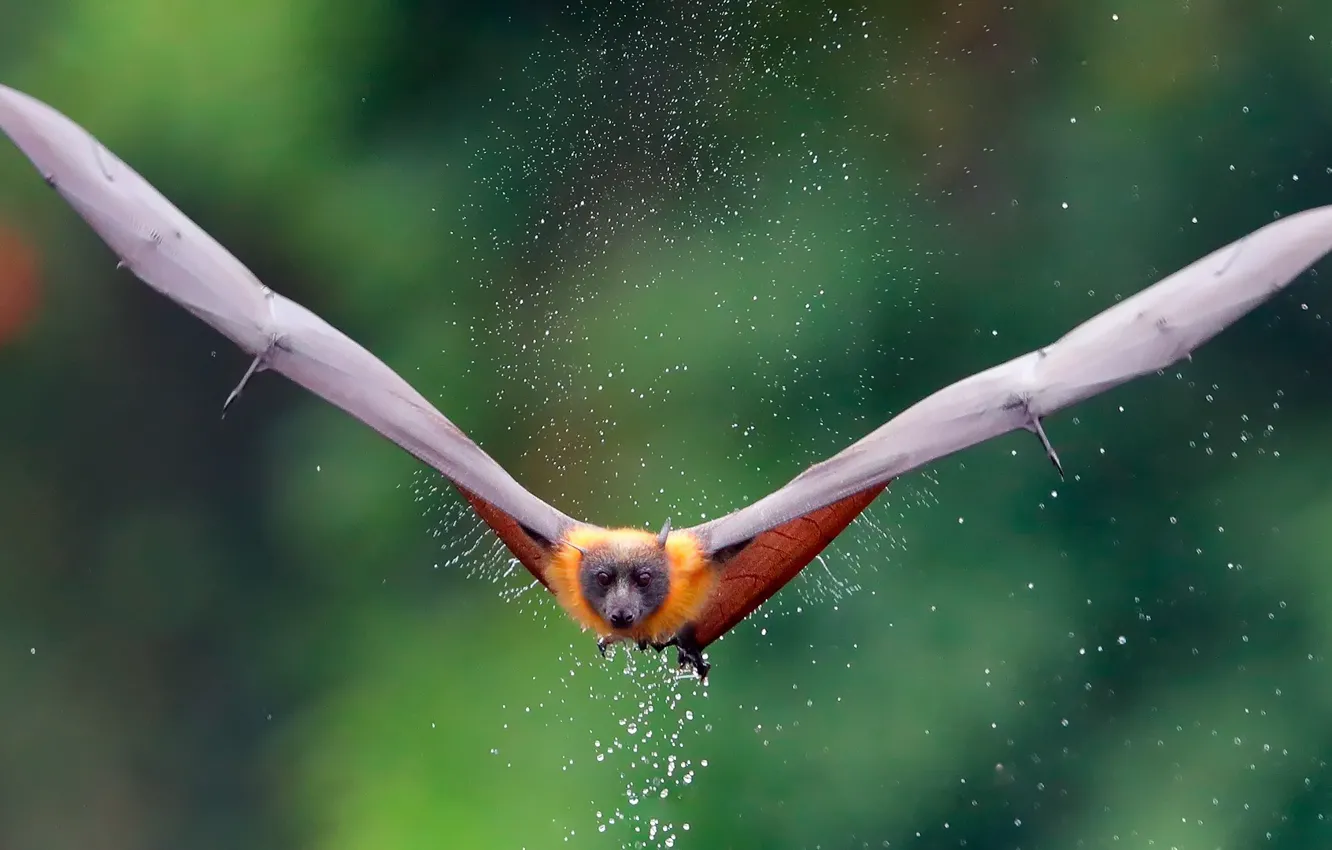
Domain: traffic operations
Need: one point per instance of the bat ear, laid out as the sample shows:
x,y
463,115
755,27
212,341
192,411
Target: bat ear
x,y
665,532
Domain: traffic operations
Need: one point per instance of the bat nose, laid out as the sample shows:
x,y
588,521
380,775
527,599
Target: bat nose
x,y
621,619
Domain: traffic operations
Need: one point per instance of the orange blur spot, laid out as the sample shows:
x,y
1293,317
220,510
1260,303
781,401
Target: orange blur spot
x,y
18,283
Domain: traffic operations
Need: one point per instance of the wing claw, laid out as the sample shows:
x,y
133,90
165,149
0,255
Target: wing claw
x,y
1035,428
259,363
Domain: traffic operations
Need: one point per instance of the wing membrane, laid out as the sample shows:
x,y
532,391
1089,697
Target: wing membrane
x,y
771,560
1141,334
174,256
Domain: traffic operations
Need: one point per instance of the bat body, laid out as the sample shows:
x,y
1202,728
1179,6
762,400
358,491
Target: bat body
x,y
683,587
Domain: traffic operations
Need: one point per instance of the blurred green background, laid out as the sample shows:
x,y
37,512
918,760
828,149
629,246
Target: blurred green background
x,y
657,257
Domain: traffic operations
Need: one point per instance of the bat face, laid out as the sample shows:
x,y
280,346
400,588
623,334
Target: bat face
x,y
628,583
625,586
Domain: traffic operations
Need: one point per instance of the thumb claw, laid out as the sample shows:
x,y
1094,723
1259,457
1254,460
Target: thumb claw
x,y
259,363
1035,428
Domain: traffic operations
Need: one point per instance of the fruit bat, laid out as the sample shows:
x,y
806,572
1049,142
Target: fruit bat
x,y
682,587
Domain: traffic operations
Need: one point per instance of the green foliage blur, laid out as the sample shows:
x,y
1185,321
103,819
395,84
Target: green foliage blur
x,y
657,257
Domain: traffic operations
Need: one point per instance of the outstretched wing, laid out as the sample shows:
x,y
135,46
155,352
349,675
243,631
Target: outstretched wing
x,y
176,257
1141,334
771,540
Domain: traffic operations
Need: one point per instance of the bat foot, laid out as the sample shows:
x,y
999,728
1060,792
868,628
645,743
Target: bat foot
x,y
1035,428
690,656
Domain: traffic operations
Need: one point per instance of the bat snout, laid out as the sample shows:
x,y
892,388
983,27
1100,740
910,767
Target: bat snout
x,y
621,618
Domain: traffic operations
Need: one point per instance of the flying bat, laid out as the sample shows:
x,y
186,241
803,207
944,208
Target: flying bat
x,y
680,587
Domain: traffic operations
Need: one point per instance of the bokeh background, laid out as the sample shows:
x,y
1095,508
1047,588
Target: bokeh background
x,y
657,257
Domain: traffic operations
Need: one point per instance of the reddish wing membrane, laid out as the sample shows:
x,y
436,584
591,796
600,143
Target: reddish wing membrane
x,y
770,560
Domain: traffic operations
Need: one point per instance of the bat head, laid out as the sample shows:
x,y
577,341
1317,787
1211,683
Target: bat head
x,y
629,583
626,579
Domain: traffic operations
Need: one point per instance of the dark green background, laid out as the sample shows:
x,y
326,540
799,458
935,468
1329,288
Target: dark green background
x,y
657,257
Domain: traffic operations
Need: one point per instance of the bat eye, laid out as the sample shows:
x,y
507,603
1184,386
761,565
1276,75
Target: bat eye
x,y
643,579
604,579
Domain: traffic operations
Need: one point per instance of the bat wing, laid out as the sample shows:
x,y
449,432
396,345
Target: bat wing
x,y
764,564
766,543
174,256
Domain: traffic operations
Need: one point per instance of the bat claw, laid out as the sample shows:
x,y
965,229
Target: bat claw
x,y
690,656
259,363
1035,428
